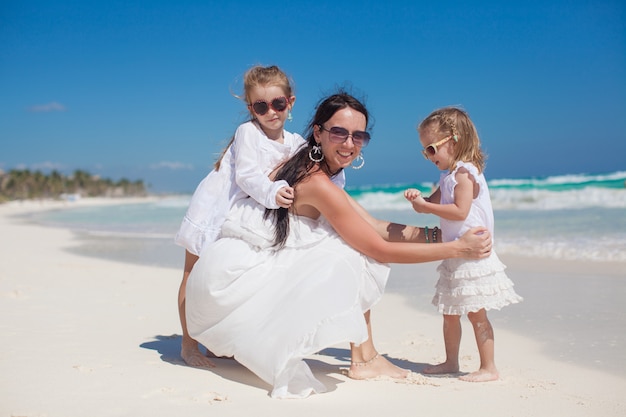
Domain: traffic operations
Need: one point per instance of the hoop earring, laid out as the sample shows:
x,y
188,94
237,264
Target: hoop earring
x,y
289,116
361,164
316,150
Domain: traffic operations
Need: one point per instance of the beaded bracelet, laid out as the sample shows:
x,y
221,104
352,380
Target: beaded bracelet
x,y
426,234
435,231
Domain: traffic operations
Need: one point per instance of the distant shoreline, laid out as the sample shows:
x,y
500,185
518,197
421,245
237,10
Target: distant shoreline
x,y
40,204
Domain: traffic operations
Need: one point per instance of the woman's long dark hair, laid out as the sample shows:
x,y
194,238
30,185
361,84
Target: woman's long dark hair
x,y
299,166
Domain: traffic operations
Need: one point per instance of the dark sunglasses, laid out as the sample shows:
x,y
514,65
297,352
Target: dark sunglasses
x,y
338,134
261,107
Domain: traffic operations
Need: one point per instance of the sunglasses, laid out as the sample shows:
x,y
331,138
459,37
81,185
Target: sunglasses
x,y
261,107
340,135
431,149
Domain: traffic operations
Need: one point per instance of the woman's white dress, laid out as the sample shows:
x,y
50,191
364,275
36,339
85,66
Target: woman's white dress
x,y
271,308
470,285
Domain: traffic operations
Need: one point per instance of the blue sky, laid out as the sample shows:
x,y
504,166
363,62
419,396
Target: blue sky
x,y
142,89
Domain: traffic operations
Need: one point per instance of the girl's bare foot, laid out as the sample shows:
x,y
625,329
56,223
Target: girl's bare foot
x,y
442,368
482,375
375,367
193,357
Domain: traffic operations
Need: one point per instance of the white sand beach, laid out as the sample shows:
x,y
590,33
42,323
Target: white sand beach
x,y
82,336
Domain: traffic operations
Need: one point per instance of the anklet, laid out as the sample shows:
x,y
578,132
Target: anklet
x,y
366,362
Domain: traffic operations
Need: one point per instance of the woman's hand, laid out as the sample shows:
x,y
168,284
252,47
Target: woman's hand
x,y
476,243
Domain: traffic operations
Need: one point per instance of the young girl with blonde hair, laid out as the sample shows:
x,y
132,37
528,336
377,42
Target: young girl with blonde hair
x,y
462,201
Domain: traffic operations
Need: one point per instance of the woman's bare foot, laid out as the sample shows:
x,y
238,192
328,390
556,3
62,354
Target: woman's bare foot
x,y
482,375
192,356
375,367
441,369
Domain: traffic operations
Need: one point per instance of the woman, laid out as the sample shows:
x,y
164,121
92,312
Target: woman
x,y
280,286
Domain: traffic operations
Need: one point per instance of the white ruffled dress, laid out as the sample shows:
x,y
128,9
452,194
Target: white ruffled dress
x,y
270,308
466,286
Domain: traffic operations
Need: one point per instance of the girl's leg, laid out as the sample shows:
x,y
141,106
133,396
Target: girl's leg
x,y
452,340
367,363
190,351
484,339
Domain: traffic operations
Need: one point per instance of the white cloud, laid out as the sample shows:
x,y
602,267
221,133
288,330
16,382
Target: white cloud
x,y
37,166
174,166
47,166
45,108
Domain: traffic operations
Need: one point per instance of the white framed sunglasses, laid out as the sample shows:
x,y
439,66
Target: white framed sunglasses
x,y
431,149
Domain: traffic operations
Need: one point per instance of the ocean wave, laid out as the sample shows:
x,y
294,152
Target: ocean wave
x,y
536,199
116,234
617,178
178,201
515,199
594,250
552,193
579,217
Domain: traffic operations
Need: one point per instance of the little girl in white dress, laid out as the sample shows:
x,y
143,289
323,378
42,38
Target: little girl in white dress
x,y
462,201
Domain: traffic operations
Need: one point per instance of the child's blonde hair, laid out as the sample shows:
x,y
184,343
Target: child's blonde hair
x,y
456,122
254,77
265,76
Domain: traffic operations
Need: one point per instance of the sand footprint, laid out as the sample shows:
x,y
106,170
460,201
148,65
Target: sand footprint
x,y
417,379
210,397
159,391
82,369
15,295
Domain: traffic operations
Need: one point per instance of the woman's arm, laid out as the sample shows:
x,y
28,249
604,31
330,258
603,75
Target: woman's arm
x,y
392,232
396,232
353,225
435,197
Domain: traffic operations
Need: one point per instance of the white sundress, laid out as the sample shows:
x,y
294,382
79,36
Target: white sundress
x,y
466,286
270,308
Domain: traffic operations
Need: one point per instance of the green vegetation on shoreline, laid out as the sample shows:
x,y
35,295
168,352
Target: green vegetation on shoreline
x,y
25,184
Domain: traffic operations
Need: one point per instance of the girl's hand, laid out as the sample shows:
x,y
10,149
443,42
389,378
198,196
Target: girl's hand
x,y
415,197
284,197
411,194
476,243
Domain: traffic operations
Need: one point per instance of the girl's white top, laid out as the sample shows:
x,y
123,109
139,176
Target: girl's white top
x,y
481,212
243,172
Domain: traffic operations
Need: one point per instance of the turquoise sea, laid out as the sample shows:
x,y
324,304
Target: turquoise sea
x,y
568,217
